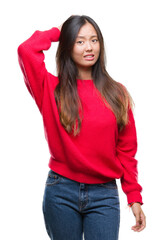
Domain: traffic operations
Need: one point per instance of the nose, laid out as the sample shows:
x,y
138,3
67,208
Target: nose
x,y
88,47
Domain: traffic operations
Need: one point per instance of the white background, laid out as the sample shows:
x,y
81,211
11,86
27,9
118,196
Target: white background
x,y
134,45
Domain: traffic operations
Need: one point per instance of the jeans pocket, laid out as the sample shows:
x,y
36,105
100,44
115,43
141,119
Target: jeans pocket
x,y
53,178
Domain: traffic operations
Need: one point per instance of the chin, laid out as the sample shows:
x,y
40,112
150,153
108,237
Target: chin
x,y
89,64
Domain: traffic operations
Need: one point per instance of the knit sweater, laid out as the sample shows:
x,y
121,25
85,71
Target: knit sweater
x,y
100,153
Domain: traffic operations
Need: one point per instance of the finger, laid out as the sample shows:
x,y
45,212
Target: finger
x,y
138,228
138,222
135,228
141,228
143,220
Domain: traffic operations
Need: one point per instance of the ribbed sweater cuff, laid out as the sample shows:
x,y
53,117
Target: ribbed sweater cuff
x,y
134,197
53,34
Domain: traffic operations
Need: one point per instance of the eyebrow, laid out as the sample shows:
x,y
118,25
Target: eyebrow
x,y
84,36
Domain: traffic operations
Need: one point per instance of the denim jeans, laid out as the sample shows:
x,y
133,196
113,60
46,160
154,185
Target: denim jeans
x,y
72,209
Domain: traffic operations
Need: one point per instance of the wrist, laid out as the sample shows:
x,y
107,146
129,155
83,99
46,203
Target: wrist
x,y
132,203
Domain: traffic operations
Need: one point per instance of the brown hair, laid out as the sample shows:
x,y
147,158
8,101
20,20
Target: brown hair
x,y
115,95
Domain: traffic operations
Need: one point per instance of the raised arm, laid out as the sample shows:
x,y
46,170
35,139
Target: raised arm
x,y
31,61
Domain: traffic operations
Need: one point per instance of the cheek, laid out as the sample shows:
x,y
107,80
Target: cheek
x,y
77,53
97,49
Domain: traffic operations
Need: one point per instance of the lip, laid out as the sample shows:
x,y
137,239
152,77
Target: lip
x,y
89,57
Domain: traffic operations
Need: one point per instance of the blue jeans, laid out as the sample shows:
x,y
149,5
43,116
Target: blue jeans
x,y
72,209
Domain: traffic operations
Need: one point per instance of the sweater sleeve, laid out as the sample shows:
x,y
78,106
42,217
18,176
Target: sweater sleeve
x,y
125,151
31,61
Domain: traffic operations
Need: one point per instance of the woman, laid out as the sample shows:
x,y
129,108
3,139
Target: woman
x,y
90,130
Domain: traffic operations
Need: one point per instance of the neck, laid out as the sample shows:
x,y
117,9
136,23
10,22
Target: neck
x,y
85,74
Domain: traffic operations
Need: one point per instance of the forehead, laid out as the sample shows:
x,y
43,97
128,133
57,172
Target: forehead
x,y
87,30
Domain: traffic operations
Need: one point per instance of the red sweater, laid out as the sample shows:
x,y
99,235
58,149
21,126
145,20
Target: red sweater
x,y
100,153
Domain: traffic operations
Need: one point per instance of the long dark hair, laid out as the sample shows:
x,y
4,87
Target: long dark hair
x,y
115,95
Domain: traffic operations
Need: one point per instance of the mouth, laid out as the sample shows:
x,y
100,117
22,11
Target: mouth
x,y
89,57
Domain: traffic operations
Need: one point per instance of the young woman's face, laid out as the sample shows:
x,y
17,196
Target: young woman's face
x,y
86,49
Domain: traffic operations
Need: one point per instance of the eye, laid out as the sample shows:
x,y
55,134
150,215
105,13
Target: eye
x,y
95,40
80,42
